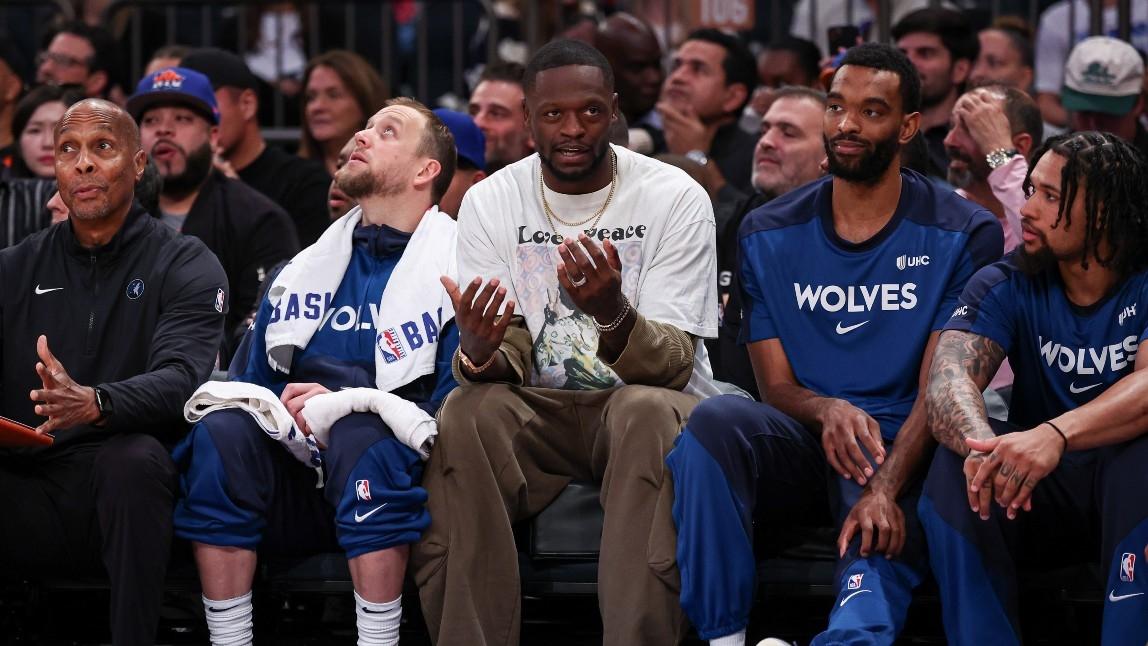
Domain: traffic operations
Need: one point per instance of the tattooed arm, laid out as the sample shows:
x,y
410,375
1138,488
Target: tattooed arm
x,y
963,365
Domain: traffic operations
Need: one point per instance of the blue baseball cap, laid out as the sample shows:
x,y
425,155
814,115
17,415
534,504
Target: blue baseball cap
x,y
468,139
175,85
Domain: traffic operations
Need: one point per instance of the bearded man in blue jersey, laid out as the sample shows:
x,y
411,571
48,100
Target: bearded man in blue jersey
x,y
1069,309
847,282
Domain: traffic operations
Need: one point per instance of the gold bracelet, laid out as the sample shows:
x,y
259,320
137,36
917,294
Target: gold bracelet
x,y
469,365
617,322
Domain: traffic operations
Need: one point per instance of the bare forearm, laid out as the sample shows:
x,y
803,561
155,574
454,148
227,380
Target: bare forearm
x,y
1117,415
962,367
798,402
913,445
511,360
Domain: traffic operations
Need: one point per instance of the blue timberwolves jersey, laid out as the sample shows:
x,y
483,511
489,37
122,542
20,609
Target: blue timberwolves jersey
x,y
341,354
1063,355
854,319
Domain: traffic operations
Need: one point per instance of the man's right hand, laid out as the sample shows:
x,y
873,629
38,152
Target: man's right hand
x,y
844,429
480,328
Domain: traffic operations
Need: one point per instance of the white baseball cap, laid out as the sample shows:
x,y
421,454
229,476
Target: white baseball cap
x,y
1102,75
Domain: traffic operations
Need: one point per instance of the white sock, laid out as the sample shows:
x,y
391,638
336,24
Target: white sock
x,y
378,623
735,639
229,621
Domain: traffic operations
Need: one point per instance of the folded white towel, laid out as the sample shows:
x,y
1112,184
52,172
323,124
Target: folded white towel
x,y
411,425
263,406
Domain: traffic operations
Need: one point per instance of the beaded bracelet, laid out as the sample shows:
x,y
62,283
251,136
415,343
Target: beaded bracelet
x,y
617,322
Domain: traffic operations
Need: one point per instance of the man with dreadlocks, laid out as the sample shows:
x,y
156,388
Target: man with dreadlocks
x,y
1069,309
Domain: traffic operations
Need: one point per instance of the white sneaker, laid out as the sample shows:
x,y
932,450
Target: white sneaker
x,y
773,641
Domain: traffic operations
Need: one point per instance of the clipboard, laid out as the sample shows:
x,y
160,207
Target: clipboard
x,y
13,433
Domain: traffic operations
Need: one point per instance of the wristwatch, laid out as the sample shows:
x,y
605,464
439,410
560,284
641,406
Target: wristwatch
x,y
698,156
1000,157
103,403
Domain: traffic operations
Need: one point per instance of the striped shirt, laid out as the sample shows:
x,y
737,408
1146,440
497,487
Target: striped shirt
x,y
23,208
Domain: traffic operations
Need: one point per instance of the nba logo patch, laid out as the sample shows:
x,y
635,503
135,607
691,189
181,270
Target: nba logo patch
x,y
1128,567
363,489
855,581
219,300
390,345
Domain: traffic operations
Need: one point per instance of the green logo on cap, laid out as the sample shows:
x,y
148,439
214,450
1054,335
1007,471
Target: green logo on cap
x,y
1098,73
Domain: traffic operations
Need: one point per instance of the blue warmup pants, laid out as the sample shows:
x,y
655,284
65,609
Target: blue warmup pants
x,y
739,463
240,488
975,561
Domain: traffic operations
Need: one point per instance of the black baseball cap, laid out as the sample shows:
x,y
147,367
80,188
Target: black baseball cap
x,y
223,68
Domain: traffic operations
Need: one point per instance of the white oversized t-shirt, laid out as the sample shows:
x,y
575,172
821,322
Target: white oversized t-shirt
x,y
662,224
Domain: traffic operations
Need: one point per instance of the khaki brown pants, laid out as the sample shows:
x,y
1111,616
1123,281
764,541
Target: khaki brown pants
x,y
503,453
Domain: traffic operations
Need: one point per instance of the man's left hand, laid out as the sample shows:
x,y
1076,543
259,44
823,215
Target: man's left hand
x,y
683,129
65,403
592,275
880,521
1016,463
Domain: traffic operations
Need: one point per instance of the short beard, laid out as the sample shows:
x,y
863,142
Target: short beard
x,y
870,168
960,178
1035,264
365,184
195,172
574,177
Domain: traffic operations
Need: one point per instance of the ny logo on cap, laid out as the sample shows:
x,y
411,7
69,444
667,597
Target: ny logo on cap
x,y
167,80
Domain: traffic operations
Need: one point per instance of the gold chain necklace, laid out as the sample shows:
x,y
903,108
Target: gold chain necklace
x,y
551,215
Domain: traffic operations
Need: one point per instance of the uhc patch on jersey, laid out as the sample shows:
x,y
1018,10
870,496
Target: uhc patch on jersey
x,y
391,346
1128,567
363,489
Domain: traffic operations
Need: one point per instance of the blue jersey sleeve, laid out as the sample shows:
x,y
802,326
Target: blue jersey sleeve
x,y
757,322
987,308
985,245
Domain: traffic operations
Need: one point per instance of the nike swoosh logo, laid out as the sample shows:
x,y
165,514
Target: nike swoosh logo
x,y
849,328
1112,596
846,599
45,291
359,519
1076,391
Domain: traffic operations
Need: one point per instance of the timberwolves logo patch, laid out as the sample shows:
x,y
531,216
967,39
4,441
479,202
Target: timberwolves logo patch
x,y
390,345
135,289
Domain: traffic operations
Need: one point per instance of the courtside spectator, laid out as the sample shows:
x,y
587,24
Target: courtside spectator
x,y
635,56
788,155
942,45
11,87
1055,39
108,354
1065,475
79,54
786,61
1004,55
297,185
379,265
1104,89
471,167
338,202
994,129
340,90
33,127
178,117
711,79
166,56
548,374
847,282
496,105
